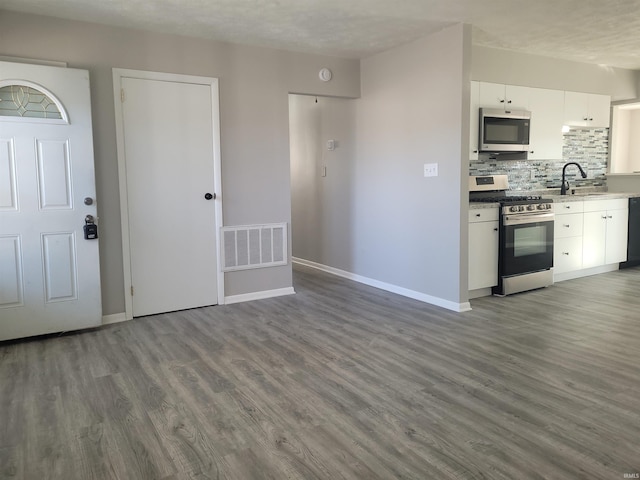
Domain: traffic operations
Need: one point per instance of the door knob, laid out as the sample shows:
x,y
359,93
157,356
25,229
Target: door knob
x,y
88,201
209,196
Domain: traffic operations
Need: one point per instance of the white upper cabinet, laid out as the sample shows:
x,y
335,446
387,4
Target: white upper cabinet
x,y
506,97
586,109
547,117
474,120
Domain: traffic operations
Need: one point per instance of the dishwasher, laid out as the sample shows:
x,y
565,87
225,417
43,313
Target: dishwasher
x,y
633,246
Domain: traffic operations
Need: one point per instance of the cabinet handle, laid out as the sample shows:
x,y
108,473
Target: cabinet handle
x,y
565,253
591,119
604,217
568,207
475,151
495,229
609,216
502,101
509,101
585,119
477,214
566,225
531,151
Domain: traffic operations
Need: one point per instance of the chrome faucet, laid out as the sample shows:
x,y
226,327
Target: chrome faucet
x,y
565,183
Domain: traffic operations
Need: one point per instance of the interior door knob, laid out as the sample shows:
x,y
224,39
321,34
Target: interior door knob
x,y
209,196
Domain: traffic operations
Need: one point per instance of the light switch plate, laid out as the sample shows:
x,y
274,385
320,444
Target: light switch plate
x,y
430,169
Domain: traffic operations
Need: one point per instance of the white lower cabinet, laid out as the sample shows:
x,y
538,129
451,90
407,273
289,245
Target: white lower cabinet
x,y
483,248
589,234
605,232
567,232
567,254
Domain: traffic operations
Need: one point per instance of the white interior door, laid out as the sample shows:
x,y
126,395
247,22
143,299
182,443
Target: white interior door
x,y
168,139
49,274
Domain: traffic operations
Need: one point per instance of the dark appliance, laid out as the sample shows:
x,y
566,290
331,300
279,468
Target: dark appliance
x,y
633,239
504,130
525,259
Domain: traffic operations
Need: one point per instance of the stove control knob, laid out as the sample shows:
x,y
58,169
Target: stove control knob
x,y
531,207
521,208
541,206
548,206
513,209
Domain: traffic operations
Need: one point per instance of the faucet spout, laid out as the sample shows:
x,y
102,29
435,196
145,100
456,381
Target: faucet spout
x,y
564,187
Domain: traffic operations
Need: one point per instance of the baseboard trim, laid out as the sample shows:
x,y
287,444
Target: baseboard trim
x,y
114,318
405,292
248,297
586,272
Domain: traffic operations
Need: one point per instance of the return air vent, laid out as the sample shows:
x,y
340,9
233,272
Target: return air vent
x,y
254,246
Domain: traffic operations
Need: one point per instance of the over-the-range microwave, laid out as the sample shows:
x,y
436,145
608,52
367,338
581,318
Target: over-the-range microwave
x,y
504,130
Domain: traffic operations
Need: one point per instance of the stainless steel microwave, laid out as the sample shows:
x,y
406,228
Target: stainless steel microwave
x,y
504,130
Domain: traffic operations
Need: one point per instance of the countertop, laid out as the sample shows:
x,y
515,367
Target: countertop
x,y
557,198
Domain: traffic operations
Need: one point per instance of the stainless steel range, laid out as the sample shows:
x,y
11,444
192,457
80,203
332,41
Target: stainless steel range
x,y
525,259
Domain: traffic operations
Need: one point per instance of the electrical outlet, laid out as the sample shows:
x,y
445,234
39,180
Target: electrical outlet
x,y
430,169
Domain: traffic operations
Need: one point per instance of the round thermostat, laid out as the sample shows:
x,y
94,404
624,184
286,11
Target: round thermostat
x,y
325,74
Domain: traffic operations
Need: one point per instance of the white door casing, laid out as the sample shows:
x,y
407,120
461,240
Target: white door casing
x,y
169,158
49,274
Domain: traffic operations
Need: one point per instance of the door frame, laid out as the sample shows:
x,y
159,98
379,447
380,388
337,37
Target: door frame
x,y
118,74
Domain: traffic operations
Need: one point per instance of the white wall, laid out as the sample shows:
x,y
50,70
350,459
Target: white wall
x,y
254,88
408,230
633,164
619,154
322,207
514,68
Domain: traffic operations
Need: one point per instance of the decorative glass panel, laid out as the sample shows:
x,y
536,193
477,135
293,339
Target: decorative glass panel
x,y
24,101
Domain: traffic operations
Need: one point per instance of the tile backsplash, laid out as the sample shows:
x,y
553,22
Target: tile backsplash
x,y
587,146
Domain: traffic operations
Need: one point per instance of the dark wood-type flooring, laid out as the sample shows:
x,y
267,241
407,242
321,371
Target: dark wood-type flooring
x,y
340,381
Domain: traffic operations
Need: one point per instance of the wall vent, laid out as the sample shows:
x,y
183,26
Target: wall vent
x,y
254,246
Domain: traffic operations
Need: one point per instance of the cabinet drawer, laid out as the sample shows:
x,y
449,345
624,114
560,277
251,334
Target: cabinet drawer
x,y
483,215
567,254
611,204
569,207
569,225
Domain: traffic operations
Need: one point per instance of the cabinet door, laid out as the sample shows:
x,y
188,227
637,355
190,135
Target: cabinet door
x,y
599,110
483,255
594,239
517,98
567,254
474,120
492,95
616,241
547,118
576,109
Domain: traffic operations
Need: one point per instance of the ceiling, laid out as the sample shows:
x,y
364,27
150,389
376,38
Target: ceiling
x,y
603,32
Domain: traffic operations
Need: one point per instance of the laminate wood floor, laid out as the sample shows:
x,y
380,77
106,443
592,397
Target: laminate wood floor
x,y
340,381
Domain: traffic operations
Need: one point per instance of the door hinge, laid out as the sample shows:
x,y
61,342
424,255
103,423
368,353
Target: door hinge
x,y
122,100
132,290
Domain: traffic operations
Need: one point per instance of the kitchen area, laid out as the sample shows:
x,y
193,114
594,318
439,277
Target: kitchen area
x,y
541,210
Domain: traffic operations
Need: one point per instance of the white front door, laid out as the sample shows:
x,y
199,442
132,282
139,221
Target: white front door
x,y
49,273
169,143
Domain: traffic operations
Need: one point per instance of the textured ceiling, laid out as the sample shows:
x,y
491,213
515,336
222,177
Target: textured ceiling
x,y
595,31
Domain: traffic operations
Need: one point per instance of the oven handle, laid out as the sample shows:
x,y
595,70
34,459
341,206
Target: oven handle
x,y
524,219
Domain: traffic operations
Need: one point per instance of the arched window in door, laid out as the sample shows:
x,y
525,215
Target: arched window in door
x,y
20,99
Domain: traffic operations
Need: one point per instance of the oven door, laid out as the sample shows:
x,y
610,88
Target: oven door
x,y
526,243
